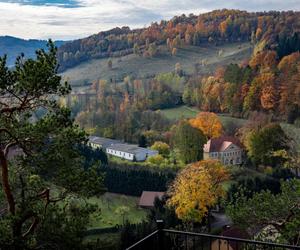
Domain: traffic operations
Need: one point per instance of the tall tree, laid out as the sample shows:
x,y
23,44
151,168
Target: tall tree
x,y
208,123
33,124
189,142
262,143
196,189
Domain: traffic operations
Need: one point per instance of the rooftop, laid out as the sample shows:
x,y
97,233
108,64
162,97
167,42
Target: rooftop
x,y
221,143
130,148
148,197
102,141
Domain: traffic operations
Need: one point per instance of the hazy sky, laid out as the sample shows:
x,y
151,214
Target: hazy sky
x,y
69,19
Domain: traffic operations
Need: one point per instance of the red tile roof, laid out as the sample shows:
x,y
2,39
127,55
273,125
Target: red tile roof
x,y
147,198
221,143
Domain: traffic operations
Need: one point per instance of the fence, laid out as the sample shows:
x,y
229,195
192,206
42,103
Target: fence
x,y
165,239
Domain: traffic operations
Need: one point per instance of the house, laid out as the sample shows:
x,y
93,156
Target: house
x,y
232,232
147,198
130,152
116,148
227,149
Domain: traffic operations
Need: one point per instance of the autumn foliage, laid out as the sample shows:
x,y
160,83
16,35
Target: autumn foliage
x,y
208,123
197,188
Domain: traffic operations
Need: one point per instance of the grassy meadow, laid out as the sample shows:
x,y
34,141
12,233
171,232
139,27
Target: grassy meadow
x,y
109,204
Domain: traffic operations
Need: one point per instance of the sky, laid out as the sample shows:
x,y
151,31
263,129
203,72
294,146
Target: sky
x,y
71,19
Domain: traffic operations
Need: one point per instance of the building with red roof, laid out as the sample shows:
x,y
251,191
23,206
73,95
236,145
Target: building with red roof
x,y
227,149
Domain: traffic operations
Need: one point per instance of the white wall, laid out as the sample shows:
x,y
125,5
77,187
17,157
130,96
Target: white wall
x,y
120,154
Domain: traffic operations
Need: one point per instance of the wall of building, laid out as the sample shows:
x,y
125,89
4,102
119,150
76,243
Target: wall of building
x,y
120,154
231,156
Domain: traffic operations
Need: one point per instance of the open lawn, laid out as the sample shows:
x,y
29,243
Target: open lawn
x,y
181,112
189,112
109,215
140,67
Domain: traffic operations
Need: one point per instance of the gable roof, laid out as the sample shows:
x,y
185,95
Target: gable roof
x,y
148,197
221,143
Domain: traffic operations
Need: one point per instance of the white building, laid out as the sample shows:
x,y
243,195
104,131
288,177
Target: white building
x,y
227,149
130,152
122,150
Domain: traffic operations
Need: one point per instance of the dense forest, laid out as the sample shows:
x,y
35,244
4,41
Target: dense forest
x,y
271,30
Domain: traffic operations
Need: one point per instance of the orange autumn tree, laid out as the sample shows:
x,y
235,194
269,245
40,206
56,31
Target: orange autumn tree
x,y
208,123
197,188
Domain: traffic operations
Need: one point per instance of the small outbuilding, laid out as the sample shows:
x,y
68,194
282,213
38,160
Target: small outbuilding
x,y
148,197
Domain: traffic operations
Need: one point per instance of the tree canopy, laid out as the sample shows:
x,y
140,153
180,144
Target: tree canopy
x,y
189,141
196,189
282,211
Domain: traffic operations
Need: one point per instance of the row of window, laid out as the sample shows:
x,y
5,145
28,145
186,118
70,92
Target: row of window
x,y
119,153
226,154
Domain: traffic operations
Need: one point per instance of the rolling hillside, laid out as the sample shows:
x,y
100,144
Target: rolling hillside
x,y
141,67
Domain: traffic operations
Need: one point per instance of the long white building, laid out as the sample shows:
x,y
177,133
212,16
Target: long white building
x,y
116,148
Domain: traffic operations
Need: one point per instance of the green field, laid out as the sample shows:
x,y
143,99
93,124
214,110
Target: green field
x,y
109,203
183,112
140,67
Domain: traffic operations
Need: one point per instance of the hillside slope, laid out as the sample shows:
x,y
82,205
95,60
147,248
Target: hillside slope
x,y
140,67
265,29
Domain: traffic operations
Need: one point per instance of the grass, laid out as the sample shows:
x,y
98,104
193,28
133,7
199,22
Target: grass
x,y
108,204
140,67
189,112
107,240
181,112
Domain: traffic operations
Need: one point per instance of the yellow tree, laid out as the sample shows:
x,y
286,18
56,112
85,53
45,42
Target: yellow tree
x,y
197,188
209,123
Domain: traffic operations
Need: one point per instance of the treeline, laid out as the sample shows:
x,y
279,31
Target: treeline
x,y
219,26
266,83
130,179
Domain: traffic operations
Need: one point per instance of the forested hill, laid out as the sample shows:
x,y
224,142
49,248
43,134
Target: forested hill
x,y
268,30
13,47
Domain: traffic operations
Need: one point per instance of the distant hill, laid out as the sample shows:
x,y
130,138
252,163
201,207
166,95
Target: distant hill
x,y
267,30
13,47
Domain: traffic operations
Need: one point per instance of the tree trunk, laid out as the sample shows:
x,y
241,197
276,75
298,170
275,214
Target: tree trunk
x,y
6,185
